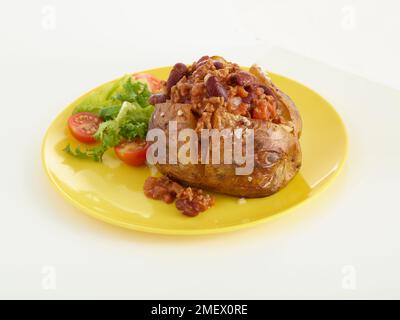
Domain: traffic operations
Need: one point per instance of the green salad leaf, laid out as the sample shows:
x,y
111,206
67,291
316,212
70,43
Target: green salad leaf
x,y
109,113
130,123
133,120
95,153
136,91
102,97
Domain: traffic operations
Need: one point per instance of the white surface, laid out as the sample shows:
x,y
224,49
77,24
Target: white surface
x,y
343,244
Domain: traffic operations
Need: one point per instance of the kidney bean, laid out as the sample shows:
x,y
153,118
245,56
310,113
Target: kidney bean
x,y
242,78
267,90
203,58
177,73
215,88
218,64
157,98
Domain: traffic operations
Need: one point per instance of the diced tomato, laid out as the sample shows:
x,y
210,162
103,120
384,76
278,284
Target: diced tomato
x,y
272,110
261,112
84,125
132,153
278,120
242,109
153,82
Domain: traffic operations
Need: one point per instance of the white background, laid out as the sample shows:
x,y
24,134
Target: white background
x,y
343,244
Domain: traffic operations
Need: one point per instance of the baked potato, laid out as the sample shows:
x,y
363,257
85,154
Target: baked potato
x,y
215,94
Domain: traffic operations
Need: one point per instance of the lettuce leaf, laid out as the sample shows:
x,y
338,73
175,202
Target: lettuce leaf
x,y
102,97
130,123
134,92
107,100
109,113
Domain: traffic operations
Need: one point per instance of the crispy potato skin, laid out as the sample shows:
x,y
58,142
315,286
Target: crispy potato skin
x,y
277,153
289,112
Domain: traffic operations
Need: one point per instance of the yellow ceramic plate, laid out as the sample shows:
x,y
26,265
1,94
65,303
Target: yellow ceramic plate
x,y
111,191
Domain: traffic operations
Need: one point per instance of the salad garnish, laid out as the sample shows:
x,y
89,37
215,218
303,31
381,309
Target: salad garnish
x,y
124,111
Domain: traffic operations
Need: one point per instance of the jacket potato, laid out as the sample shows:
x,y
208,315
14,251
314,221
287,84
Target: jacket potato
x,y
215,94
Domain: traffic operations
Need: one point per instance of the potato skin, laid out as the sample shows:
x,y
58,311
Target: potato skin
x,y
277,154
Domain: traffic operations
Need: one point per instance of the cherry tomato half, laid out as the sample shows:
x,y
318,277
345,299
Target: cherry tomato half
x,y
83,126
153,82
133,152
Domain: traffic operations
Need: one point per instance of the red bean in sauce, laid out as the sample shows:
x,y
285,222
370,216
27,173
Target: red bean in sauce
x,y
157,98
177,73
267,90
242,78
218,64
215,88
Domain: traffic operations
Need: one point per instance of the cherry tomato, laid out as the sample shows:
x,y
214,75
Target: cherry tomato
x,y
153,82
83,126
133,152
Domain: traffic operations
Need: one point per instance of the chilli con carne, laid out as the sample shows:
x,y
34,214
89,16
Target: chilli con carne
x,y
189,201
212,83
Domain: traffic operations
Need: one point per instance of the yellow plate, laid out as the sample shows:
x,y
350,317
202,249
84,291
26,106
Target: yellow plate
x,y
112,191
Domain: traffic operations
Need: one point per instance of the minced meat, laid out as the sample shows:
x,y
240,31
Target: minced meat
x,y
190,201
